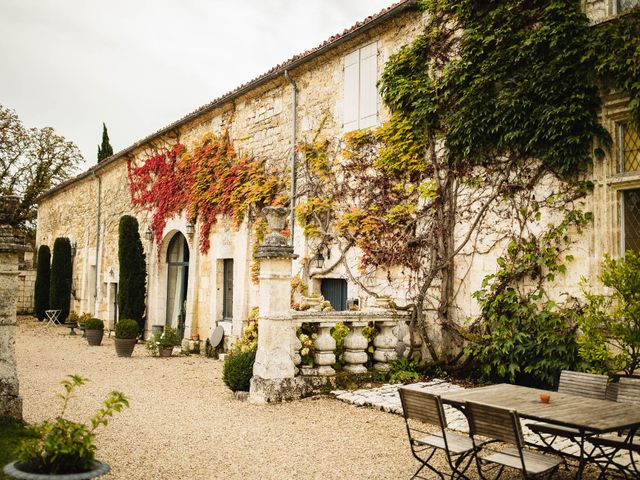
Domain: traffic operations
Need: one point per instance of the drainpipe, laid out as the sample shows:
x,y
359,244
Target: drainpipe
x,y
294,114
99,213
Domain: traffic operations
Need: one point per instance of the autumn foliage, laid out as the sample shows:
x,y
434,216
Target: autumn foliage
x,y
211,180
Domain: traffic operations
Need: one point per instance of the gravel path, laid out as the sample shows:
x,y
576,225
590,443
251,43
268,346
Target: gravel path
x,y
185,424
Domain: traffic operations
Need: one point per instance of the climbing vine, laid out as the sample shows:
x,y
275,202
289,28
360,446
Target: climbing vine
x,y
209,181
491,104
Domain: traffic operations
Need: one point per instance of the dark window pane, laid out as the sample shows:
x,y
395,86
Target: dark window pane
x,y
624,4
630,147
631,199
227,290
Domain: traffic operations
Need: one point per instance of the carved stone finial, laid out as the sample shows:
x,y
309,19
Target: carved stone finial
x,y
275,245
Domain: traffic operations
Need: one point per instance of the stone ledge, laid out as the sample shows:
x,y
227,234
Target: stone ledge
x,y
268,390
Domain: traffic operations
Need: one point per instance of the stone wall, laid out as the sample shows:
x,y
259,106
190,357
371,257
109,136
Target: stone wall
x,y
24,296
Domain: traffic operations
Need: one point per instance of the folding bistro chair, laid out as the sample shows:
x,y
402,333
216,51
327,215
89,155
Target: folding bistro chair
x,y
423,407
504,425
573,383
620,451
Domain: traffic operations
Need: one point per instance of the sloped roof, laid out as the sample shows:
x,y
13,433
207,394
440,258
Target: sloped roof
x,y
332,42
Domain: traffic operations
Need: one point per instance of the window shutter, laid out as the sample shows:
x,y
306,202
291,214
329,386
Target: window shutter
x,y
351,83
368,91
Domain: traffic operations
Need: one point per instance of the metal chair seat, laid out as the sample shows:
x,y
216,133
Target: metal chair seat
x,y
535,463
458,444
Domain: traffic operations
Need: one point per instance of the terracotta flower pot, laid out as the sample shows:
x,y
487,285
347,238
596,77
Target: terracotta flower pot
x,y
125,346
15,470
166,351
94,337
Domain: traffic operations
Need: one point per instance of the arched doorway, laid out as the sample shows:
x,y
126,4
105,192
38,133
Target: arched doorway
x,y
177,282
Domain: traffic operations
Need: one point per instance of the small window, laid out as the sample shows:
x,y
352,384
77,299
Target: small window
x,y
227,290
334,290
622,5
629,148
360,92
630,220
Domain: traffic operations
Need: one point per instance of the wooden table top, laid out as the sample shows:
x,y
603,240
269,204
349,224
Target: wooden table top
x,y
587,414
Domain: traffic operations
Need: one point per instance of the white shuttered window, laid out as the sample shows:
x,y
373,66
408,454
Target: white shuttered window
x,y
360,93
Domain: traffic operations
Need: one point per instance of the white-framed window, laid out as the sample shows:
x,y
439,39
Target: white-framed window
x,y
360,94
622,5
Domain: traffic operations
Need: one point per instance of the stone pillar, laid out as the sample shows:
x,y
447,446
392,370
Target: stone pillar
x,y
10,245
274,365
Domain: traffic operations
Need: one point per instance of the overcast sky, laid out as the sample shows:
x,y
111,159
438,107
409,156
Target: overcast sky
x,y
139,65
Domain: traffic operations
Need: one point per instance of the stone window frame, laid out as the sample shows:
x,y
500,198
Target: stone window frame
x,y
617,112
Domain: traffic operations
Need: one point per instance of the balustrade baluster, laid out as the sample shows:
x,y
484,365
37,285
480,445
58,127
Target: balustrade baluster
x,y
385,344
355,353
325,347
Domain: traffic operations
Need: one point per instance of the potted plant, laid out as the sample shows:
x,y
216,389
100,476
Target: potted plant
x,y
82,320
61,448
162,343
126,337
94,331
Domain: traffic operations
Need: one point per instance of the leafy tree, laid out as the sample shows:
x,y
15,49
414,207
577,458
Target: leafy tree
x,y
133,271
31,162
41,293
105,150
61,276
610,324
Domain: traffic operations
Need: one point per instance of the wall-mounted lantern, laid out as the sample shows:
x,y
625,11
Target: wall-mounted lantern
x,y
190,229
318,260
74,249
148,234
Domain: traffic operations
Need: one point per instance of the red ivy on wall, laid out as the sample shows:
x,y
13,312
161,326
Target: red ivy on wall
x,y
210,181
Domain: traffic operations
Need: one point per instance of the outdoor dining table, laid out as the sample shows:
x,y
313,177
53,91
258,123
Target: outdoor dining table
x,y
588,416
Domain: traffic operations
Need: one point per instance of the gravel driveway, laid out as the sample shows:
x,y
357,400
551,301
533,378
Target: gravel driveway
x,y
185,424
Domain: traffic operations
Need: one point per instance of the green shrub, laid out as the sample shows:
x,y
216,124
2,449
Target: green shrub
x,y
62,446
610,325
42,285
238,370
404,370
133,271
127,328
169,337
60,281
524,342
94,324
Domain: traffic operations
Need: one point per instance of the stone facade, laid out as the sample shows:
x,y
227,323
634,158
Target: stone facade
x,y
259,117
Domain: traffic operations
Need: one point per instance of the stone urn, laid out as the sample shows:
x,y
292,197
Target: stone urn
x,y
125,346
94,336
18,470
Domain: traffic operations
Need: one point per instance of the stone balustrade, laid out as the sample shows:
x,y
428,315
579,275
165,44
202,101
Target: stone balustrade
x,y
356,344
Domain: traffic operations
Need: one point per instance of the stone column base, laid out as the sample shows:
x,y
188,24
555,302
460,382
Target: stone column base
x,y
272,390
10,407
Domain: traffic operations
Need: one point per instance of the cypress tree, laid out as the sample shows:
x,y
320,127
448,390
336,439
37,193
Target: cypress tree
x,y
41,290
133,271
61,271
105,150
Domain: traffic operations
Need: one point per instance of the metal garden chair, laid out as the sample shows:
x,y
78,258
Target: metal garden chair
x,y
622,450
504,425
424,408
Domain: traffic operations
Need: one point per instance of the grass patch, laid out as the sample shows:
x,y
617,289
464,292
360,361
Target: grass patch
x,y
11,434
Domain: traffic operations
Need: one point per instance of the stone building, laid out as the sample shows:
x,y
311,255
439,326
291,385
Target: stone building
x,y
334,85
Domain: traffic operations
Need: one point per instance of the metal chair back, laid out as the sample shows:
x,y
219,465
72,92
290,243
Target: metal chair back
x,y
586,385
